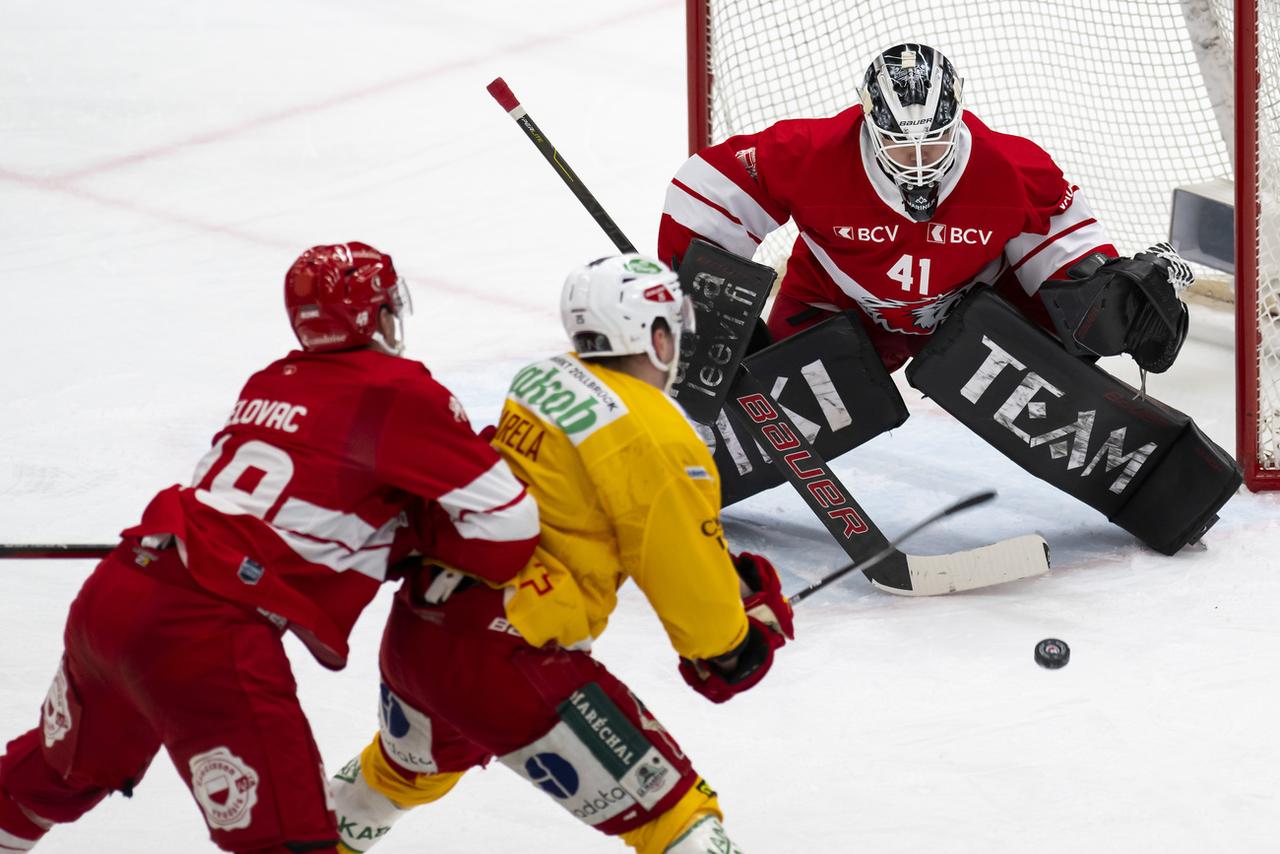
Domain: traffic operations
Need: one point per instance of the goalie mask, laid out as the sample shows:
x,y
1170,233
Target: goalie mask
x,y
911,96
609,307
335,294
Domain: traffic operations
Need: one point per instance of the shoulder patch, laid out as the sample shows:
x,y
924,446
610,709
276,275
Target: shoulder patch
x,y
564,394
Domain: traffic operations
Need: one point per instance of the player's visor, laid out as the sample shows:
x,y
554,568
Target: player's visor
x,y
401,298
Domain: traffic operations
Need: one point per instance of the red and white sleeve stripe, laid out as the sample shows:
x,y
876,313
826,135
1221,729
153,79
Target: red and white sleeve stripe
x,y
491,526
708,203
495,506
1072,234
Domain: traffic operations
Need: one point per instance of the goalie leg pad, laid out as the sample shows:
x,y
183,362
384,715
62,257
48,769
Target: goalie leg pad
x,y
832,384
1146,466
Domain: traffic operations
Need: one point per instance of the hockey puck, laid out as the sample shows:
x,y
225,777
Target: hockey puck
x,y
1052,653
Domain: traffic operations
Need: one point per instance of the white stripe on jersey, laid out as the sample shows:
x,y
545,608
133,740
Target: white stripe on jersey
x,y
842,279
1036,257
869,302
312,543
701,218
321,523
370,561
9,842
707,181
492,507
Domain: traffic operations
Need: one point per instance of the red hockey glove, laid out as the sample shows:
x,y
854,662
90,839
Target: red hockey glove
x,y
769,625
762,596
722,677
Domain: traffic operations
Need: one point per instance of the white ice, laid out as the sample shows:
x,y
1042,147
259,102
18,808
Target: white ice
x,y
162,163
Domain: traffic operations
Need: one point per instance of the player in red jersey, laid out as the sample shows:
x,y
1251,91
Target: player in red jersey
x,y
904,203
335,460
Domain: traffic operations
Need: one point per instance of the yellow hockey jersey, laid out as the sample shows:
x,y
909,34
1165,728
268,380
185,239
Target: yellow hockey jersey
x,y
625,489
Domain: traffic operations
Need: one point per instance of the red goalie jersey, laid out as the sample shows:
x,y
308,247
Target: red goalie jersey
x,y
1006,216
330,466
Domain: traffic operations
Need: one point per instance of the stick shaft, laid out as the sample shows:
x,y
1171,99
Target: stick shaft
x,y
54,550
502,93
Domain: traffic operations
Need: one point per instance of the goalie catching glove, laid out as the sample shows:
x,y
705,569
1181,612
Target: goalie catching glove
x,y
769,626
1123,305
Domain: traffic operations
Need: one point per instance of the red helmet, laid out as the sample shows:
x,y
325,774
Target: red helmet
x,y
335,293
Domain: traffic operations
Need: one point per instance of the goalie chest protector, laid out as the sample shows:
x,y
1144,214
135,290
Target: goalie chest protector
x,y
1146,466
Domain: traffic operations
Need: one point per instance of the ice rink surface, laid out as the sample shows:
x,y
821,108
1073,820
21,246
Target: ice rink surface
x,y
162,164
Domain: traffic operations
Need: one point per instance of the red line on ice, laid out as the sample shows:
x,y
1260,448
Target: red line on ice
x,y
431,286
256,122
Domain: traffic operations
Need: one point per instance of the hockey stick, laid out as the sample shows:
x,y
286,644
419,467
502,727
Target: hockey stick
x,y
501,93
55,550
964,504
881,562
749,403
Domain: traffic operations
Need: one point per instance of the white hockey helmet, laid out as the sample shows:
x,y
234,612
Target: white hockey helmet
x,y
609,306
911,96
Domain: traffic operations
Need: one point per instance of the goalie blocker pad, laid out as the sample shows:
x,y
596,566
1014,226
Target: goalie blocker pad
x,y
1144,465
830,382
728,294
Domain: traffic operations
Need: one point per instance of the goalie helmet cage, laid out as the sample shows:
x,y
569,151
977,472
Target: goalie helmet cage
x,y
1132,97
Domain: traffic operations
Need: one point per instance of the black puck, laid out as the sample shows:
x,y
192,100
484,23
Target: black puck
x,y
1052,653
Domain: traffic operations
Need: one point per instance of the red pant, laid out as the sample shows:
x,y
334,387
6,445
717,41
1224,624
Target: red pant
x,y
475,690
152,660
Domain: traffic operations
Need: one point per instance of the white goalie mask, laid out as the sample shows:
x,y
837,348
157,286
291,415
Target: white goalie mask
x,y
911,96
609,307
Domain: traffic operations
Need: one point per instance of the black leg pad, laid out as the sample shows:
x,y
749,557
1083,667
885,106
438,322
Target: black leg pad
x,y
1145,465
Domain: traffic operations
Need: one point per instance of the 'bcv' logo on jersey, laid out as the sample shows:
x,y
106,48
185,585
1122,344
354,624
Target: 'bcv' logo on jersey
x,y
940,233
862,234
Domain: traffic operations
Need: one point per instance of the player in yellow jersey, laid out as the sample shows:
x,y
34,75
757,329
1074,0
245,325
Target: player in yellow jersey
x,y
626,490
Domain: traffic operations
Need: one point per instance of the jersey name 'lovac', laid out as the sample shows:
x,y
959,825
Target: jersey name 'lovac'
x,y
329,463
625,489
1004,209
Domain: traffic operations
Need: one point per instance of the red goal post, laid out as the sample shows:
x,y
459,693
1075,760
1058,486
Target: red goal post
x,y
1257,210
1132,97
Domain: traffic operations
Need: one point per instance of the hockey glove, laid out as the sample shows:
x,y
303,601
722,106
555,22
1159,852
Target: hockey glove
x,y
762,595
1123,305
740,668
770,625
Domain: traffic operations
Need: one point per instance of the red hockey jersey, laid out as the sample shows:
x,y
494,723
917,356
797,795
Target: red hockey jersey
x,y
1005,210
327,462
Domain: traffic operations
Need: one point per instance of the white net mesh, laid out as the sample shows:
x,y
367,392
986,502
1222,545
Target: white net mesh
x,y
1131,97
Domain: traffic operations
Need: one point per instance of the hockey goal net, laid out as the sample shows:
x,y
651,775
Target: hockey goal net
x,y
1132,98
